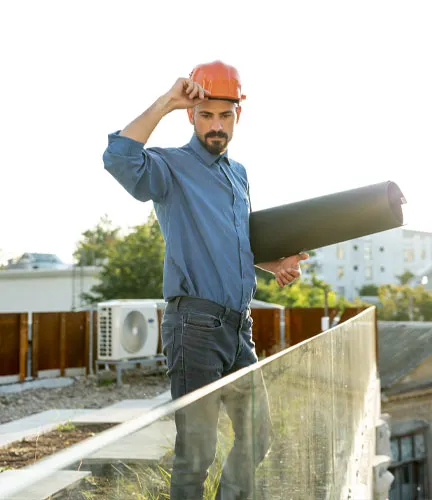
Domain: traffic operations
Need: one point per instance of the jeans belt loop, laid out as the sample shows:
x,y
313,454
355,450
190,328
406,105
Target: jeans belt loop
x,y
176,303
244,317
226,314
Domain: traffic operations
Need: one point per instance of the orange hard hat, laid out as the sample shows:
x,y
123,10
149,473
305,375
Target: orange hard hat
x,y
221,80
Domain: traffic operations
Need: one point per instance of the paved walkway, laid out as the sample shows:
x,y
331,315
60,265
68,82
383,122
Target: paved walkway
x,y
147,445
122,411
46,421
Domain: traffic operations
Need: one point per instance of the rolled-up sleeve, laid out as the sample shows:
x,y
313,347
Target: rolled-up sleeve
x,y
144,173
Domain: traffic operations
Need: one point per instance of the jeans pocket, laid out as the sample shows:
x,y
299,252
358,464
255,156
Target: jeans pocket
x,y
201,321
168,337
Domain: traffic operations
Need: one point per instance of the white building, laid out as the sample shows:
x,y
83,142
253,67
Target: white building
x,y
45,290
374,260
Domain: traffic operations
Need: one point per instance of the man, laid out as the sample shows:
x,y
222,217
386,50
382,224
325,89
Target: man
x,y
201,198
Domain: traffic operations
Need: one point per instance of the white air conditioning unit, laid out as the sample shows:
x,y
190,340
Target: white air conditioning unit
x,y
127,329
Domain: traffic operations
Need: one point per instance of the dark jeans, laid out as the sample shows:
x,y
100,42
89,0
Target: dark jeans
x,y
204,342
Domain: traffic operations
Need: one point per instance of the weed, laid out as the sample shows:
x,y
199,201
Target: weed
x,y
66,427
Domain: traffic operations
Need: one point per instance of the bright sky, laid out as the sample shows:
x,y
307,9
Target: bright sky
x,y
339,95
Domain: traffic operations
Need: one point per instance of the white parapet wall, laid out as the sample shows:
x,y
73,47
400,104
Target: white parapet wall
x,y
45,290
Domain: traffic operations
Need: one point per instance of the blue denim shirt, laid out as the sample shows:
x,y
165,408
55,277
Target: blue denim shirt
x,y
202,204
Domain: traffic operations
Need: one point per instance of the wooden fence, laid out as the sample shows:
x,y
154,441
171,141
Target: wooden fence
x,y
61,341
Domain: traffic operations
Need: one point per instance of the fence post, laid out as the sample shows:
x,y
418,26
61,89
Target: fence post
x,y
287,327
23,333
35,345
62,344
282,335
88,348
376,336
277,329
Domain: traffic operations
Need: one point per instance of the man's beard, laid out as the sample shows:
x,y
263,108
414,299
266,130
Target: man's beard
x,y
218,146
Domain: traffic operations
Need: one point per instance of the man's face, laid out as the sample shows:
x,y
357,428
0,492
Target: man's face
x,y
214,121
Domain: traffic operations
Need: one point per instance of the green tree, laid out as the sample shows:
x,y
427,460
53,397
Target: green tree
x,y
93,248
394,302
134,266
404,303
406,277
303,293
369,290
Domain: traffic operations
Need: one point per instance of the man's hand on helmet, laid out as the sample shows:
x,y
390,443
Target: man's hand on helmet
x,y
186,94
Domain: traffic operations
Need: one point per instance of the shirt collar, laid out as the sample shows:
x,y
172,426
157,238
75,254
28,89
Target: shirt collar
x,y
207,157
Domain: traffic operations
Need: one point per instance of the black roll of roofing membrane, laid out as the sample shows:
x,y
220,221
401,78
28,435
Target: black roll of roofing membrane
x,y
306,225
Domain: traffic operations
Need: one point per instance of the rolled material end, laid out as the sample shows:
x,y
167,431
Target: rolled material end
x,y
396,200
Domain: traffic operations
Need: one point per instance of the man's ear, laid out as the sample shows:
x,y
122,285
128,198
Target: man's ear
x,y
190,113
238,112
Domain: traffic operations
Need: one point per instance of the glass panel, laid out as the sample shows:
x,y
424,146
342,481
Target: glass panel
x,y
395,450
394,493
368,272
408,254
340,251
316,396
406,448
408,487
421,482
368,251
419,446
291,426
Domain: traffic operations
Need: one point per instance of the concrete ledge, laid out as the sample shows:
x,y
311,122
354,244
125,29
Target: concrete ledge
x,y
59,482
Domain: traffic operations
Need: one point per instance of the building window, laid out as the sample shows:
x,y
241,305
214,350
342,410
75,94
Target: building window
x,y
341,291
382,269
381,249
355,268
355,247
408,254
409,467
368,251
340,272
368,272
340,251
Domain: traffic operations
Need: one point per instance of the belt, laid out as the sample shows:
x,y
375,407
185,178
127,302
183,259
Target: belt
x,y
235,318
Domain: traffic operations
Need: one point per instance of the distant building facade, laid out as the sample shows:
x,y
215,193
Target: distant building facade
x,y
405,368
37,261
374,260
46,290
